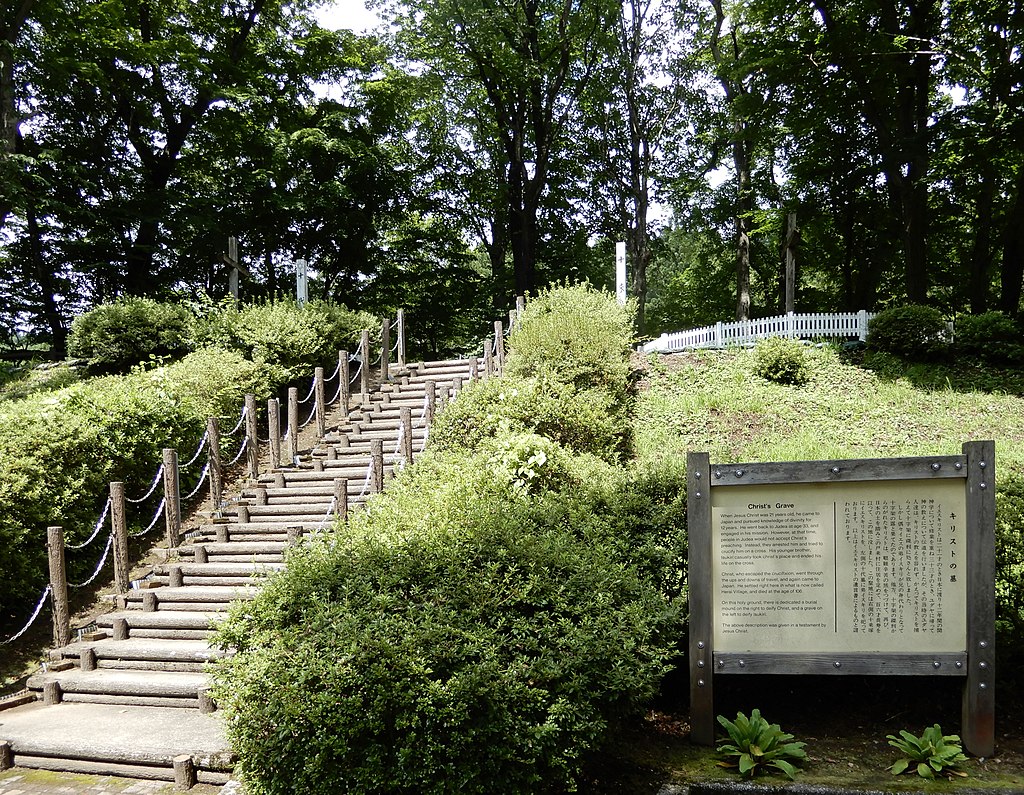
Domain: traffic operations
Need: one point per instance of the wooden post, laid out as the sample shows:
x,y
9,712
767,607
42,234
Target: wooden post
x,y
87,659
120,629
792,238
401,340
488,358
253,451
341,498
293,425
511,319
698,500
261,495
274,429
377,459
499,344
406,440
364,370
319,406
119,525
428,413
58,587
52,693
520,305
6,756
294,534
175,577
343,382
385,351
216,472
172,498
456,387
184,772
474,375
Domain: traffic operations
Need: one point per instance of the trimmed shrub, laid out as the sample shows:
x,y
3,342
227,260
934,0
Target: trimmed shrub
x,y
59,451
581,421
455,643
1010,565
781,360
116,336
290,338
575,335
915,332
991,336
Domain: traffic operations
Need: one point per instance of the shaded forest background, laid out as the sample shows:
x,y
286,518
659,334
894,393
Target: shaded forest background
x,y
476,149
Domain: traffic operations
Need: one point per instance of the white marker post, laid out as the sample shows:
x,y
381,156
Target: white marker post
x,y
620,272
301,282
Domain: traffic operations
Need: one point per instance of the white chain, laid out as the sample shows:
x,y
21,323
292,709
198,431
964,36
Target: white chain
x,y
99,566
31,621
156,515
152,487
199,485
199,450
245,443
233,431
96,530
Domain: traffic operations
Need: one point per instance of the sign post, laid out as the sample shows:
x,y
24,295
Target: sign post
x,y
620,272
870,567
301,282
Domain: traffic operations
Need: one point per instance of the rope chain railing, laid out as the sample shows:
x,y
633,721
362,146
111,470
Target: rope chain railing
x,y
366,482
35,614
202,479
199,451
99,566
238,457
152,487
96,530
312,389
359,369
156,517
241,421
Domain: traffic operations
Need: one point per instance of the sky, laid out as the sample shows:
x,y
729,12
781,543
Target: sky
x,y
351,14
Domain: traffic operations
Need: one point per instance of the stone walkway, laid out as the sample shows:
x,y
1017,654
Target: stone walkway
x,y
22,781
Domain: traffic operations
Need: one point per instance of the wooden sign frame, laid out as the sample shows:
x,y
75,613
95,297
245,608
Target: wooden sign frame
x,y
975,663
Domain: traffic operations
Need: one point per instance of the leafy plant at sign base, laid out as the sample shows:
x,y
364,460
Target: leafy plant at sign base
x,y
757,745
934,752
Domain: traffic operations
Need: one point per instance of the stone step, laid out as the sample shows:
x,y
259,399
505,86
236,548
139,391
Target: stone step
x,y
119,740
169,624
149,650
148,688
190,596
218,569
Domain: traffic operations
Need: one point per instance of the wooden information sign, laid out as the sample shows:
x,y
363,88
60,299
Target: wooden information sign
x,y
879,567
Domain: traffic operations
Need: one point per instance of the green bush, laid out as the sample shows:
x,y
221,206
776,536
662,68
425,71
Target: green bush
x,y
781,360
116,336
451,641
991,336
290,338
576,335
59,451
915,332
581,421
1010,565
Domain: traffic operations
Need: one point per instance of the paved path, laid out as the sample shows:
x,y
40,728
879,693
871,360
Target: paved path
x,y
22,781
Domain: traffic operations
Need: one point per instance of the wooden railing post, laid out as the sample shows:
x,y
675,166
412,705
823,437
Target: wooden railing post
x,y
520,305
318,406
431,403
364,370
474,374
385,350
341,498
488,358
172,498
253,450
58,586
377,459
512,319
274,429
499,344
293,425
406,441
401,340
216,472
456,387
119,527
343,382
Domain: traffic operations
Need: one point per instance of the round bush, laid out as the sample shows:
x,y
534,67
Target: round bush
x,y
116,336
781,360
486,657
915,332
991,336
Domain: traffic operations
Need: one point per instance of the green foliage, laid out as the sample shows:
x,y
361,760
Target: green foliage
x,y
116,336
781,360
581,421
991,336
915,332
575,335
1010,564
285,336
933,752
754,746
59,451
452,640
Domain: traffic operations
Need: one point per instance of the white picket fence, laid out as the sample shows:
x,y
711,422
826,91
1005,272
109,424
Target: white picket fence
x,y
842,325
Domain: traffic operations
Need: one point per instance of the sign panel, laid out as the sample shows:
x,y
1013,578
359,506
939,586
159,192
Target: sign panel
x,y
840,567
620,272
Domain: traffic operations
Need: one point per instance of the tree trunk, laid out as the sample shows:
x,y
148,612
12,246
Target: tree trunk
x,y
744,208
979,276
1012,273
9,120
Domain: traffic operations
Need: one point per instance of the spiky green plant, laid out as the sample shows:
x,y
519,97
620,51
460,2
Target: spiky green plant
x,y
934,752
757,745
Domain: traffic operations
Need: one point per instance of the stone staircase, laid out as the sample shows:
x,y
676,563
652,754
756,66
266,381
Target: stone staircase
x,y
131,698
